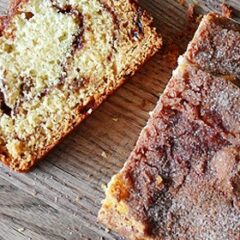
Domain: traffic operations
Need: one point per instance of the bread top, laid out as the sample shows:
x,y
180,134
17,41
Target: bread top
x,y
182,179
216,47
57,60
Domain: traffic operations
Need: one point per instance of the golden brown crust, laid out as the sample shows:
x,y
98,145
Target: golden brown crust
x,y
116,214
146,20
81,118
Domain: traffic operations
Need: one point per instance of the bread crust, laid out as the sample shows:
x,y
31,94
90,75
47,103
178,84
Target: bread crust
x,y
146,19
173,182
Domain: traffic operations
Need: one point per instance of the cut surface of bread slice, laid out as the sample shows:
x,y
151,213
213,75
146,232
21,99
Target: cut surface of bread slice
x,y
59,60
182,179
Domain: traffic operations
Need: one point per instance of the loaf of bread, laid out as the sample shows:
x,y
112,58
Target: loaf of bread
x,y
182,179
59,60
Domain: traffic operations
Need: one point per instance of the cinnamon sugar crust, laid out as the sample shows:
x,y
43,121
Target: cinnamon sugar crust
x,y
182,179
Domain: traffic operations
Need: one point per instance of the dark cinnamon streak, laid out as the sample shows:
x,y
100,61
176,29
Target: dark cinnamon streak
x,y
68,9
77,44
116,28
7,110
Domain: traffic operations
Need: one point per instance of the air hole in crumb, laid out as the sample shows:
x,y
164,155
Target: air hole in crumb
x,y
28,15
90,105
34,42
33,73
8,48
44,77
17,165
63,37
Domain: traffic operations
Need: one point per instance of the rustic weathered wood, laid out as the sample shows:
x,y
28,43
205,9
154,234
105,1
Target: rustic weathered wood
x,y
60,198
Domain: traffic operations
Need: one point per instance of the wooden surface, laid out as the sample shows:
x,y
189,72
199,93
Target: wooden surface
x,y
60,198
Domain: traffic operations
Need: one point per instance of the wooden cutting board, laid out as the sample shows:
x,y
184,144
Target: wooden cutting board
x,y
60,198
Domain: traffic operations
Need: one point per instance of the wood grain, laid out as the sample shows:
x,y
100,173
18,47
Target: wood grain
x,y
60,198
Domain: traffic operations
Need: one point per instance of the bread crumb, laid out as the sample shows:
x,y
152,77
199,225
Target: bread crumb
x,y
90,111
56,199
226,10
199,18
104,187
21,229
78,198
90,175
104,155
34,193
150,113
181,2
115,119
107,230
159,181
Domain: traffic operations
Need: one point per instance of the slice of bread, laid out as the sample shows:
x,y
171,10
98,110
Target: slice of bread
x,y
182,179
59,60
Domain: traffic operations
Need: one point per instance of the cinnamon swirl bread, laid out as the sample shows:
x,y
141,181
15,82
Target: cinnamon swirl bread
x,y
59,60
182,179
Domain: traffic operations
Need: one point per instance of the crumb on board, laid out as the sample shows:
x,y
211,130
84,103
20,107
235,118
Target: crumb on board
x,y
115,119
181,2
34,193
150,113
104,187
21,229
104,155
159,180
90,175
226,10
199,18
78,198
